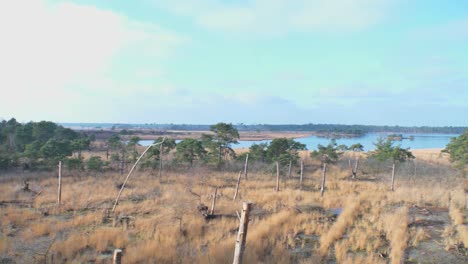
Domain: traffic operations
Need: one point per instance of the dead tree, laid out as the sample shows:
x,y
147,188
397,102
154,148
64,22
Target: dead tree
x,y
324,174
242,234
355,169
290,168
213,203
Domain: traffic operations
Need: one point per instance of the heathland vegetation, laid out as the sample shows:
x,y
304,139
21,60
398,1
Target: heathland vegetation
x,y
361,213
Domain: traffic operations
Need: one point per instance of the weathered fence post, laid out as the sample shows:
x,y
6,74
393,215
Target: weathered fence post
x,y
237,187
242,234
277,176
246,166
290,167
213,204
59,192
302,173
392,187
324,173
117,258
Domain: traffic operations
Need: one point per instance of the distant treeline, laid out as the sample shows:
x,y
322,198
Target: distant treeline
x,y
319,128
38,144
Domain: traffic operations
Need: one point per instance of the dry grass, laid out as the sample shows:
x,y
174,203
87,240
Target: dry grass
x,y
290,226
346,218
396,227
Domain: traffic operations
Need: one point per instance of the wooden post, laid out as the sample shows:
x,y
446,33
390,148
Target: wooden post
x,y
246,166
290,167
213,204
160,160
302,173
117,259
59,192
238,184
392,187
277,176
324,174
242,234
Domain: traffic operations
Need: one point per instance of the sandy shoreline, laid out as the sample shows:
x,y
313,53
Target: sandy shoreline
x,y
244,135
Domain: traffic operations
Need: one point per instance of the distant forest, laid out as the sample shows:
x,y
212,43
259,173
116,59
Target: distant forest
x,y
319,128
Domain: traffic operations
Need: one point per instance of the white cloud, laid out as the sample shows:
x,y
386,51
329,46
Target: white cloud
x,y
67,51
280,16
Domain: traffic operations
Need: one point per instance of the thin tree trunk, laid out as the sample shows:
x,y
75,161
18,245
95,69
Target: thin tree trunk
x,y
393,177
277,176
213,203
59,192
302,173
237,187
246,166
160,160
324,174
290,168
242,234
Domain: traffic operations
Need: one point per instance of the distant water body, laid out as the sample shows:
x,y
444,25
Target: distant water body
x,y
420,141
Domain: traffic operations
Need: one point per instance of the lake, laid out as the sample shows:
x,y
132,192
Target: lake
x,y
420,141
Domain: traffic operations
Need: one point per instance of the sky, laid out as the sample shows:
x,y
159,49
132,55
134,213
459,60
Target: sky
x,y
375,62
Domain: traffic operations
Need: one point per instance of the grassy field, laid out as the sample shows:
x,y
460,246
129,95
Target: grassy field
x,y
357,221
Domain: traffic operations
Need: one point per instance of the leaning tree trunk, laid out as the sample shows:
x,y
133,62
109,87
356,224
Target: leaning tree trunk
x,y
324,174
393,177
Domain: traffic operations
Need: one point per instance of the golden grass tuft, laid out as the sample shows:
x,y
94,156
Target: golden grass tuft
x,y
346,218
417,235
396,227
71,247
107,239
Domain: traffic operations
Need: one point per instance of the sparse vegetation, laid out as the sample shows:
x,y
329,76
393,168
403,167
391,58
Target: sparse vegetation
x,y
358,221
158,219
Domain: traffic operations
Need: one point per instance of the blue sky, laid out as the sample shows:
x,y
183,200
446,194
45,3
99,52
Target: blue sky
x,y
383,62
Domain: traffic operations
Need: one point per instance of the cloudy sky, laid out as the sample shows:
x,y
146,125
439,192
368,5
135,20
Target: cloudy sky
x,y
393,62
